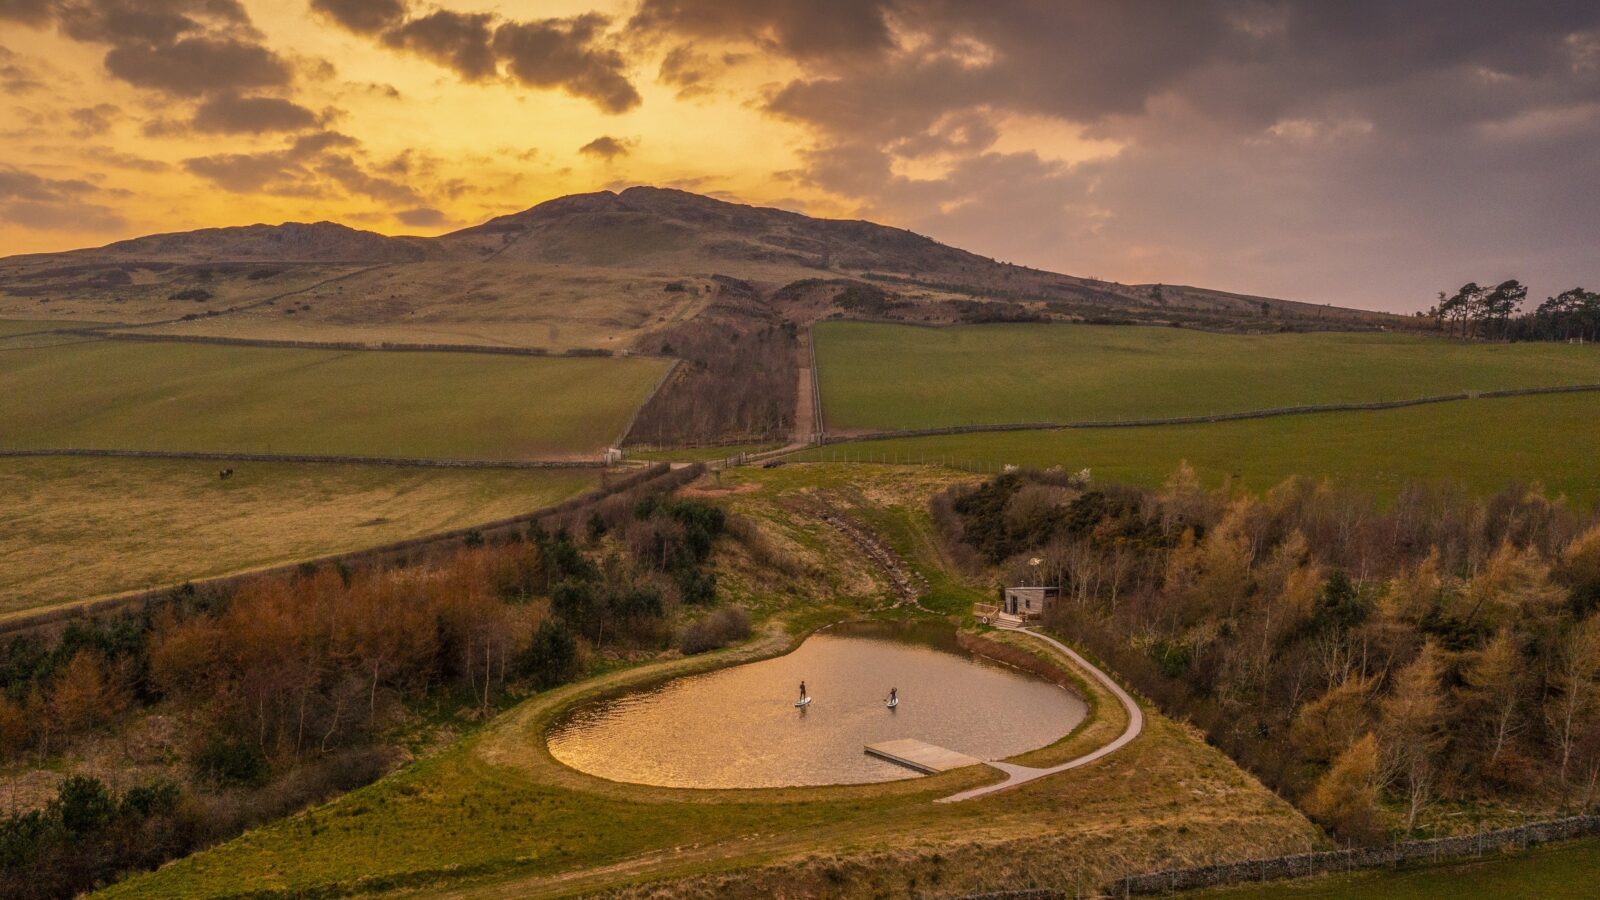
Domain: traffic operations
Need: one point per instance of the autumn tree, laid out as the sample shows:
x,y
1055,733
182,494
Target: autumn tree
x,y
1570,704
1494,694
1345,799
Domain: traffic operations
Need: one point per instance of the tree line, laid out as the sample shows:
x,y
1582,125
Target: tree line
x,y
1384,666
287,690
1475,311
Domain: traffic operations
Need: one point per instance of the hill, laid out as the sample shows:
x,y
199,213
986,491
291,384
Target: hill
x,y
809,263
724,286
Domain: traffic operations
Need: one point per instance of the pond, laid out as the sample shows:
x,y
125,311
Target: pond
x,y
738,727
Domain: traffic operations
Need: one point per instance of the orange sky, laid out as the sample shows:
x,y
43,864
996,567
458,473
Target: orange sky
x,y
507,145
1364,153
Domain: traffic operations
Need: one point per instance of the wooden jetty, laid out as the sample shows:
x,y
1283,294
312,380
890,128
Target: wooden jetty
x,y
921,755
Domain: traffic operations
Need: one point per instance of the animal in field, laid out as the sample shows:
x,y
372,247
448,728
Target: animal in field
x,y
225,474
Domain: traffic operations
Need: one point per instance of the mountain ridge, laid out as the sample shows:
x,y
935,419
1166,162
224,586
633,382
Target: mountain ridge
x,y
647,229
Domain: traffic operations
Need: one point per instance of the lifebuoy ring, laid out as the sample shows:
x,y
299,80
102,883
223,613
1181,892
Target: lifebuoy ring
x,y
983,619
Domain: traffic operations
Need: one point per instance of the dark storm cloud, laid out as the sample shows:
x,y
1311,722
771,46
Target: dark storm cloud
x,y
607,148
362,16
231,113
563,53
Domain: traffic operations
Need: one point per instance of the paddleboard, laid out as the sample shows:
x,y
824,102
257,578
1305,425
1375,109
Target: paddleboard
x,y
803,701
893,703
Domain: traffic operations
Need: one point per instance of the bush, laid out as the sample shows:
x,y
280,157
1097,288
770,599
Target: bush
x,y
230,761
552,656
716,630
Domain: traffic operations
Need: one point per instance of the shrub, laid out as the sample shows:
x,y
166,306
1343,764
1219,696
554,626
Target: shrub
x,y
227,760
716,630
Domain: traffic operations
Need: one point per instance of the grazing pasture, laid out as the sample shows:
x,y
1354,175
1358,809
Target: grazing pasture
x,y
495,304
197,397
1482,444
899,377
77,527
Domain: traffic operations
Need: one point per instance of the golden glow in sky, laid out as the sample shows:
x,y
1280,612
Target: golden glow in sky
x,y
1313,150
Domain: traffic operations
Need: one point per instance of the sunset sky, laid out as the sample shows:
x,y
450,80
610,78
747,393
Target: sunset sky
x,y
1359,153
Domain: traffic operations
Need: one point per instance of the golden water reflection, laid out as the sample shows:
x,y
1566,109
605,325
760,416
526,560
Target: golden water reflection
x,y
738,727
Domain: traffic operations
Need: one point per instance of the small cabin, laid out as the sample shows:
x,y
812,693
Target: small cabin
x,y
1029,602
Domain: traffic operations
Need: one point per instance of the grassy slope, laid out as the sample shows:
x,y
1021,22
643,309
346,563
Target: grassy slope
x,y
886,376
496,815
500,304
1483,444
127,524
10,327
1561,871
162,396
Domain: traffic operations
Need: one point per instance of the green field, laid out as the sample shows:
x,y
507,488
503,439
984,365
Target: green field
x,y
900,377
1562,871
1484,444
76,528
193,397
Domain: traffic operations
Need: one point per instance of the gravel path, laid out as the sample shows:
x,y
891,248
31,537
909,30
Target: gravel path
x,y
1019,775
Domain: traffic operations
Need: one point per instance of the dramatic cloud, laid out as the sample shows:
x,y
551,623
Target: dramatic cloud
x,y
181,47
323,164
562,53
198,65
607,148
455,40
362,16
565,54
287,172
1293,147
819,28
1366,152
231,113
34,201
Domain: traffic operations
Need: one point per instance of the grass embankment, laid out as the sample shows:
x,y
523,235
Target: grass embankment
x,y
899,377
1482,444
1560,871
497,815
77,527
192,397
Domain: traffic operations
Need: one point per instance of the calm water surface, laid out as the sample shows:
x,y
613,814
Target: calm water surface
x,y
738,727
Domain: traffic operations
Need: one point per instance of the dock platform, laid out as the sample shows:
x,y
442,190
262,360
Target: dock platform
x,y
921,756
